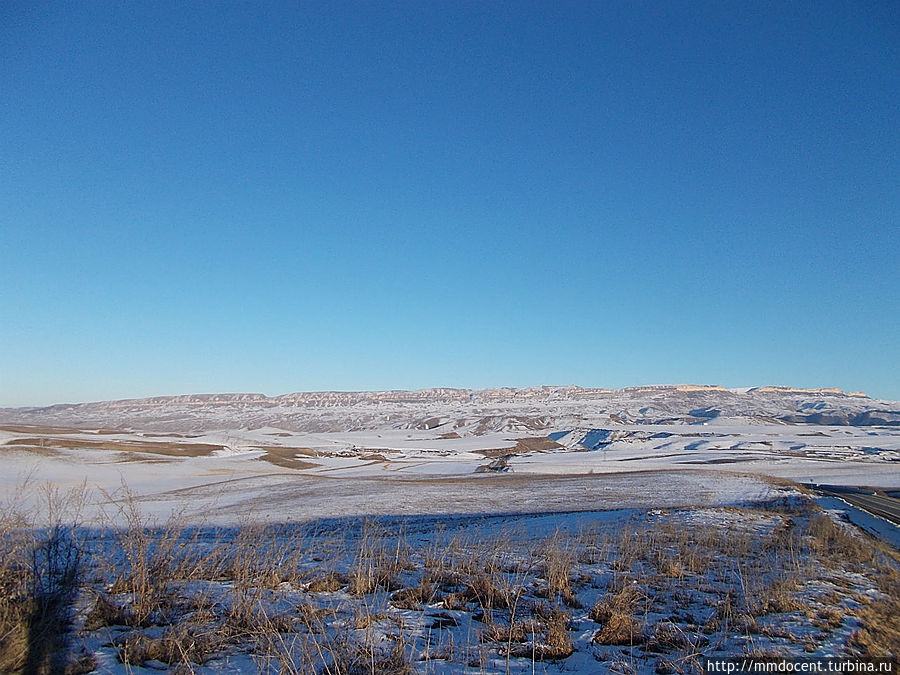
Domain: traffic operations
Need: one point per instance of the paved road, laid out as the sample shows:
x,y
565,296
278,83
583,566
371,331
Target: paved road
x,y
885,507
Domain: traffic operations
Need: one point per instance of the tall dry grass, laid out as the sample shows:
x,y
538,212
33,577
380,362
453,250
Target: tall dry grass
x,y
662,587
40,572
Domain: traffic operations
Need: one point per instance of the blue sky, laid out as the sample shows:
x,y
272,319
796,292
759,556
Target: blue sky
x,y
275,197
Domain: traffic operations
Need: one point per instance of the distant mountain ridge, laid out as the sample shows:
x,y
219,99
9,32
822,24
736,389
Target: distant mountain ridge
x,y
471,411
436,394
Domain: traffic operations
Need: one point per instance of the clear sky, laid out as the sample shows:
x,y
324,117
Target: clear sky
x,y
275,197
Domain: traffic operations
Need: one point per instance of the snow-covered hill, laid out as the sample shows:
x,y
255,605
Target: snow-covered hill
x,y
471,412
238,448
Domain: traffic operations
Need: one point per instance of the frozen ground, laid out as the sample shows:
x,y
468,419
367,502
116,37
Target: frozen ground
x,y
333,453
280,474
625,590
525,531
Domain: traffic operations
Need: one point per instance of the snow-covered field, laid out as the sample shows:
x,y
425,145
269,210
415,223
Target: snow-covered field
x,y
549,530
624,590
283,474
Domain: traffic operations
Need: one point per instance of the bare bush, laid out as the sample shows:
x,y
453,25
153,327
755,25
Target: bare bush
x,y
178,645
40,568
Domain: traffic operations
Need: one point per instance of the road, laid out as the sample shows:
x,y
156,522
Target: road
x,y
884,507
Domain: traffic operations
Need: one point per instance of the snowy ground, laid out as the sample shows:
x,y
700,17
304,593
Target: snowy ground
x,y
281,474
626,590
631,548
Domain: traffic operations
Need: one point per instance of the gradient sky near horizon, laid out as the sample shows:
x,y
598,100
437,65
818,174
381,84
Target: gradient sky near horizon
x,y
286,196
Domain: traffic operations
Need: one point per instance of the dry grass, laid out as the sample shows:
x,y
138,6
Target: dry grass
x,y
834,543
178,645
414,598
37,429
166,448
40,572
40,450
153,558
346,657
502,633
620,629
559,555
668,637
536,444
311,615
288,457
616,613
107,612
376,565
626,600
328,583
776,598
879,635
365,601
557,642
489,591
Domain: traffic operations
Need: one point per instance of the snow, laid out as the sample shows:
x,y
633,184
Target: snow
x,y
516,547
421,470
332,465
881,528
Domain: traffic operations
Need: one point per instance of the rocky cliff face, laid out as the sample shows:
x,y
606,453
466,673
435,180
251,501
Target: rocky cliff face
x,y
467,411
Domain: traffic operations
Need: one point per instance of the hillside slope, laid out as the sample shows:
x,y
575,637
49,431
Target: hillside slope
x,y
471,412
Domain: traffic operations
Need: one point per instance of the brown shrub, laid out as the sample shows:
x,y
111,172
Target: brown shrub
x,y
39,576
333,581
668,636
625,601
105,612
454,601
558,643
777,598
484,590
177,645
620,629
828,618
495,632
879,635
413,598
830,540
